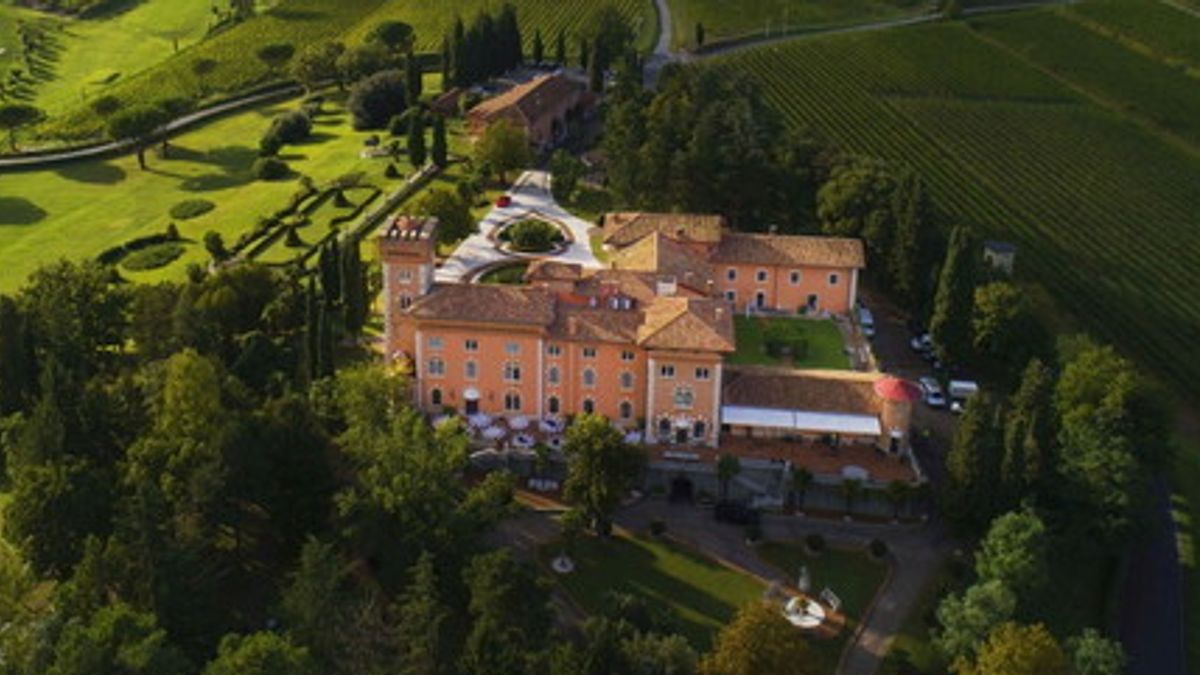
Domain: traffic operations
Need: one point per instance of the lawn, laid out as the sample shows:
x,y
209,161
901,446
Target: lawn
x,y
589,203
723,19
1105,212
508,275
78,210
701,594
822,345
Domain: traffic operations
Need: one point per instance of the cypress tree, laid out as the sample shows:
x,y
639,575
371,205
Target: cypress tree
x,y
328,267
1029,434
458,54
412,78
951,322
539,48
560,49
324,367
417,153
972,491
509,47
312,323
16,357
584,52
439,152
595,74
447,66
354,289
699,34
490,61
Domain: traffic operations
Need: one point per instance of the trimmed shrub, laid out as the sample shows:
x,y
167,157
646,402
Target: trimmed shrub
x,y
291,127
172,232
271,168
153,257
391,171
191,208
815,543
269,145
377,99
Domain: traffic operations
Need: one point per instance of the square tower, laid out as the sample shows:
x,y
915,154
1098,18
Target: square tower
x,y
407,253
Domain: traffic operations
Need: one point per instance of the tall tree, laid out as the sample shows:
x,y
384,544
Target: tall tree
x,y
913,251
503,148
1093,654
539,47
421,639
317,597
506,627
17,116
1012,649
17,370
1028,465
560,49
1004,331
77,314
262,653
1014,552
966,620
438,151
759,640
602,469
413,76
137,126
952,305
973,466
318,63
354,287
116,639
728,467
417,153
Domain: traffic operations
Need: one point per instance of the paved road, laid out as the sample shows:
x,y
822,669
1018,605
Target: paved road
x,y
176,125
530,196
662,54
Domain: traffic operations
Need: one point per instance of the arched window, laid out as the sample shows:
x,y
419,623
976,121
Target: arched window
x,y
437,367
552,375
698,430
435,396
512,401
471,370
626,410
684,397
589,406
552,405
589,377
664,427
627,380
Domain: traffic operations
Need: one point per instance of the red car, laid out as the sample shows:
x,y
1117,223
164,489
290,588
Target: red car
x,y
504,201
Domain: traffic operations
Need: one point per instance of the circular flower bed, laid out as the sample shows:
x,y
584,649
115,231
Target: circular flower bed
x,y
152,257
532,236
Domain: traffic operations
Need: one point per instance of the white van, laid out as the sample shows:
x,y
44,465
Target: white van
x,y
866,321
960,391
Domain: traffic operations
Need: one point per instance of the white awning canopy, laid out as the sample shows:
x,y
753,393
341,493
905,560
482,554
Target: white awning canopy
x,y
800,420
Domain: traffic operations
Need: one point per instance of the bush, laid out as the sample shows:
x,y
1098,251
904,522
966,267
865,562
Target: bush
x,y
269,145
391,171
271,168
533,236
172,232
815,543
878,548
191,208
658,527
153,257
291,127
377,99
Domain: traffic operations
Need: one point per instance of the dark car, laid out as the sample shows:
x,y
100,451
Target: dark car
x,y
737,513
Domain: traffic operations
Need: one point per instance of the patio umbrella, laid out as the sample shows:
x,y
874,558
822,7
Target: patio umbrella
x,y
523,441
493,433
633,437
480,420
551,425
555,442
519,422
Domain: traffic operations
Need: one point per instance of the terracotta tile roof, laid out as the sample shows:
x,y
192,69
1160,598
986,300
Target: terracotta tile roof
x,y
793,250
659,253
834,391
623,229
552,270
596,325
689,324
640,286
531,100
485,303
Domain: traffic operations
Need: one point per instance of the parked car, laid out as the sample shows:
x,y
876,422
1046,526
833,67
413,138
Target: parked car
x,y
932,389
960,391
737,513
866,321
504,201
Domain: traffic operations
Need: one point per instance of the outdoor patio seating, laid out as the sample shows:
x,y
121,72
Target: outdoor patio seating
x,y
523,441
804,613
494,433
519,423
480,420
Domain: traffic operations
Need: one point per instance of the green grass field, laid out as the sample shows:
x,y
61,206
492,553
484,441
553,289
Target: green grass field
x,y
1164,30
700,593
825,348
1104,211
77,210
724,20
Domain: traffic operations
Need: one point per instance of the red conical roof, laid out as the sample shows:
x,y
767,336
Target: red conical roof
x,y
897,390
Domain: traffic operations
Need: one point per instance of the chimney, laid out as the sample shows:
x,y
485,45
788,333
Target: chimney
x,y
666,287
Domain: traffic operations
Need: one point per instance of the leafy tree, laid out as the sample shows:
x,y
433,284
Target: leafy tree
x,y
17,380
377,99
611,36
1004,330
506,627
318,63
215,245
260,654
566,170
1014,552
503,147
55,506
967,620
316,598
452,211
851,489
275,56
1092,654
329,272
656,654
16,116
898,492
801,479
758,640
417,153
728,467
438,152
915,243
601,470
77,314
363,61
950,326
1029,431
116,639
423,622
397,36
1012,649
106,105
137,125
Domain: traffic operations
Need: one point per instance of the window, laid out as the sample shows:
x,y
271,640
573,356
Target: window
x,y
589,378
512,348
589,352
833,280
731,296
435,396
794,278
698,430
554,350
435,343
471,370
761,276
702,373
731,274
512,401
684,397
512,372
627,380
405,275
589,406
664,427
437,368
405,302
628,356
552,405
471,345
552,375
666,371
626,410
760,300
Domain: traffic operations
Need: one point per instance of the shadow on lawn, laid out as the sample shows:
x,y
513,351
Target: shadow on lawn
x,y
95,173
20,211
